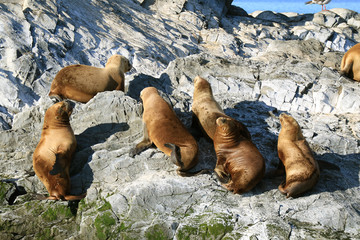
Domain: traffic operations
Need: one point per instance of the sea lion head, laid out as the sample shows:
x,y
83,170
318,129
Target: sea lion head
x,y
59,112
290,126
200,84
225,124
146,92
121,61
64,109
230,127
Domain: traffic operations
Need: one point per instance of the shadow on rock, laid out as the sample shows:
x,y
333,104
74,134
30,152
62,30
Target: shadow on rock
x,y
337,172
142,81
11,190
85,140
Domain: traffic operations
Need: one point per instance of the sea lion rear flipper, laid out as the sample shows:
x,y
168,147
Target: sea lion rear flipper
x,y
144,144
55,98
74,197
191,174
175,154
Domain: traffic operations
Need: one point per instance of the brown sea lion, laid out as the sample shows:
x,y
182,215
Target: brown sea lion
x,y
164,129
205,109
302,170
53,154
82,82
237,155
350,63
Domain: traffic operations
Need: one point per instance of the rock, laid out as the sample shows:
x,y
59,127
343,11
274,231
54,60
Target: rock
x,y
327,19
271,16
258,65
346,14
236,11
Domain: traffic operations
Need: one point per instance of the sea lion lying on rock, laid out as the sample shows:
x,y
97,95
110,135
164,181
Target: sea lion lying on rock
x,y
82,82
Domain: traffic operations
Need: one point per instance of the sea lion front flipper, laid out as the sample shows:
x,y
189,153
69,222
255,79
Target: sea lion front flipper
x,y
195,128
221,174
280,169
57,167
175,154
144,144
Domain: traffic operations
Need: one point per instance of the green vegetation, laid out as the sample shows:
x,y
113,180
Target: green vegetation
x,y
103,224
52,213
44,234
3,189
105,207
156,232
277,231
206,227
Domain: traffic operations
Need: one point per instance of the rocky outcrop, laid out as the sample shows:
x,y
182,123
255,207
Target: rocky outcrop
x,y
258,65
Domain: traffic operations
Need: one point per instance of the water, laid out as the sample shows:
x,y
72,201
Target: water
x,y
294,5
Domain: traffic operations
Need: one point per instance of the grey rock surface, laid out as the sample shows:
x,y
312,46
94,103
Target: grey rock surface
x,y
258,65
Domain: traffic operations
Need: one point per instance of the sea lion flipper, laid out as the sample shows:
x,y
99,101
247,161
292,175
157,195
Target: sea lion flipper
x,y
191,174
55,98
141,146
175,154
74,197
57,167
221,174
144,144
195,128
280,170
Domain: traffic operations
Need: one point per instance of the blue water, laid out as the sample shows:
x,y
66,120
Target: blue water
x,y
294,5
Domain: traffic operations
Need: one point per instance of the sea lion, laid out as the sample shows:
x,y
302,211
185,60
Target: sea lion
x,y
350,63
164,129
82,82
301,169
242,163
53,154
204,107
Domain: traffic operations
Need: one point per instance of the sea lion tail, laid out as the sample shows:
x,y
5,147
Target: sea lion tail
x,y
175,154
